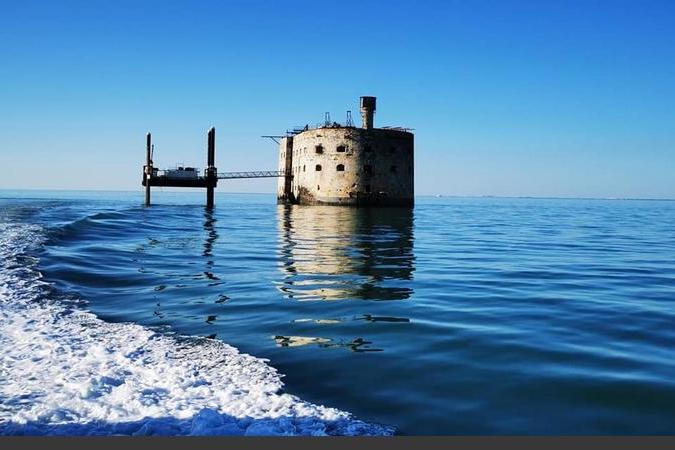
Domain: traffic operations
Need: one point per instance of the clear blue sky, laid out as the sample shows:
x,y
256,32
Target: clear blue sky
x,y
540,98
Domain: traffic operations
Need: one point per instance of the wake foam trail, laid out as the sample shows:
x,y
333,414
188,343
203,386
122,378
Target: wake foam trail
x,y
65,371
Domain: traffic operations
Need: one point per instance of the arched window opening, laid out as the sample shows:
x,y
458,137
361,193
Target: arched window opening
x,y
319,149
341,149
318,168
340,168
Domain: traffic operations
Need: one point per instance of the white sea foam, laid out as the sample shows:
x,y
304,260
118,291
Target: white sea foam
x,y
65,371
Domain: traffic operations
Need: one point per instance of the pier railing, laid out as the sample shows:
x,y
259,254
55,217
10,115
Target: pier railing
x,y
252,174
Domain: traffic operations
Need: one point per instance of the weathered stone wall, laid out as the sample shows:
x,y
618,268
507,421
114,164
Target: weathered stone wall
x,y
378,167
285,185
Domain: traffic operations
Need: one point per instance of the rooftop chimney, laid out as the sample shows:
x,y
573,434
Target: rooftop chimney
x,y
367,112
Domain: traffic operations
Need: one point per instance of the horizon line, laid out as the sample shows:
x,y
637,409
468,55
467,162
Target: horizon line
x,y
535,197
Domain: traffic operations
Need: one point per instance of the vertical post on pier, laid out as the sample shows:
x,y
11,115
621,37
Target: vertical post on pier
x,y
211,176
148,167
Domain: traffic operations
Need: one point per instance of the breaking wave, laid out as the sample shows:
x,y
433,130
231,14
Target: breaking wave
x,y
65,371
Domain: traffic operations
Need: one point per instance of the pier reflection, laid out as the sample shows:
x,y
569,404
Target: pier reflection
x,y
211,233
211,236
209,242
335,253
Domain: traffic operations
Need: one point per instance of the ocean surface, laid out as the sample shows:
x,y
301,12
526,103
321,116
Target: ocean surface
x,y
460,316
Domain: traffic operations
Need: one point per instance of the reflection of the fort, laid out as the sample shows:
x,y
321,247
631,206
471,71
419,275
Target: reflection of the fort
x,y
335,253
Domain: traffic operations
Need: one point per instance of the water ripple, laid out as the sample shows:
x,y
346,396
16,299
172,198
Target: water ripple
x,y
462,316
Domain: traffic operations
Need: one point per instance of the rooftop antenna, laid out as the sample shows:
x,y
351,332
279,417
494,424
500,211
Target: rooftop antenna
x,y
350,122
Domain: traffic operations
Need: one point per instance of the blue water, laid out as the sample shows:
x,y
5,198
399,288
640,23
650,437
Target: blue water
x,y
460,316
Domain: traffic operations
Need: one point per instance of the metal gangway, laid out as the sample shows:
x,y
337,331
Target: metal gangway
x,y
252,174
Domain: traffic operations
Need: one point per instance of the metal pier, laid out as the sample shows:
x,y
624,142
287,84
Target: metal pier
x,y
209,180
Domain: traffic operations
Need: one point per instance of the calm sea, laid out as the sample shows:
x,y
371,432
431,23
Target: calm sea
x,y
460,316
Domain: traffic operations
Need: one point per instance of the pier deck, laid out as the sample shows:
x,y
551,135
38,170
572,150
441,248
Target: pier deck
x,y
189,178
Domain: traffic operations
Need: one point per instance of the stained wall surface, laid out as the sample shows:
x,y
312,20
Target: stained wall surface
x,y
348,166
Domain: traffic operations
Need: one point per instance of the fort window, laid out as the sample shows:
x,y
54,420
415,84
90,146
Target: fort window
x,y
341,148
392,169
368,169
340,168
318,149
303,168
318,167
318,188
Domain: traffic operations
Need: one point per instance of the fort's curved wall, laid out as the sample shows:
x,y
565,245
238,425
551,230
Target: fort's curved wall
x,y
377,167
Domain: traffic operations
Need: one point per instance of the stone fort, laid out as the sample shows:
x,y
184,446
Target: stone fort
x,y
334,164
